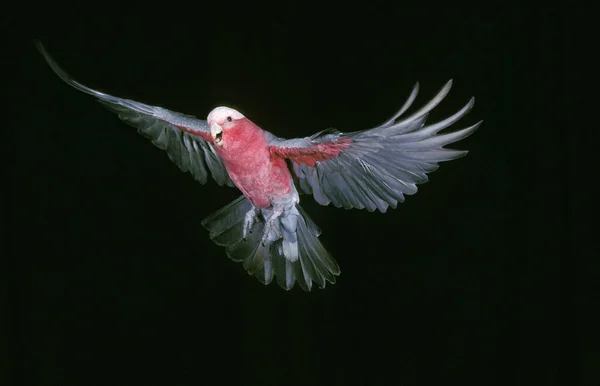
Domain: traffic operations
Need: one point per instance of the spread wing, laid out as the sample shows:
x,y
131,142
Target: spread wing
x,y
374,168
185,138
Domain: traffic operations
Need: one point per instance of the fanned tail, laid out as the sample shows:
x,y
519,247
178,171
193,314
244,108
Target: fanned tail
x,y
297,256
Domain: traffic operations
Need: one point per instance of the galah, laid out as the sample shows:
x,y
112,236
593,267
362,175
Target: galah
x,y
266,229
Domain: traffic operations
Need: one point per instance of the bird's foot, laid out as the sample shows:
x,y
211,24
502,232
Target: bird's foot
x,y
249,221
271,225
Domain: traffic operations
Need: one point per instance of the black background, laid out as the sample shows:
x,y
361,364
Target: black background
x,y
113,281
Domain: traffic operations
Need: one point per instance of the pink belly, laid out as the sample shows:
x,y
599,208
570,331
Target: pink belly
x,y
262,185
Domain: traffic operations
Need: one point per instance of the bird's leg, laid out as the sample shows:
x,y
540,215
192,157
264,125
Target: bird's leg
x,y
271,225
249,221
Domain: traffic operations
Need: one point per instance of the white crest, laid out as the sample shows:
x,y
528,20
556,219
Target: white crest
x,y
220,114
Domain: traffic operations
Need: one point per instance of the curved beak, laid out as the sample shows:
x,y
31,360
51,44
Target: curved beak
x,y
216,132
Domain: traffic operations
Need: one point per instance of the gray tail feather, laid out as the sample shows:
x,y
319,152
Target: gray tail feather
x,y
313,264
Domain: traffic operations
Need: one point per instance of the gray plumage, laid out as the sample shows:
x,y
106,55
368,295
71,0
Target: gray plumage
x,y
191,153
382,164
312,264
375,169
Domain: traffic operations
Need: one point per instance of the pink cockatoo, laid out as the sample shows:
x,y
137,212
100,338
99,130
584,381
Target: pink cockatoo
x,y
265,228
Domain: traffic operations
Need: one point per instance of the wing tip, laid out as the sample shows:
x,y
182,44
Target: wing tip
x,y
468,107
58,70
470,130
446,88
40,47
460,154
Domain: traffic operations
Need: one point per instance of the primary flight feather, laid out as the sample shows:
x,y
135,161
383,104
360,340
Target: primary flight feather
x,y
265,228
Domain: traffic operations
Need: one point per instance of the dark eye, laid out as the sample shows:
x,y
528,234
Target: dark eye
x,y
228,119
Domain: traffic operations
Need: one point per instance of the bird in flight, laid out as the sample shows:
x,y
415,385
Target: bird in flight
x,y
266,229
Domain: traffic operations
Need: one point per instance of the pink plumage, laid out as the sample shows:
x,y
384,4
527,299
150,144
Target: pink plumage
x,y
266,229
259,174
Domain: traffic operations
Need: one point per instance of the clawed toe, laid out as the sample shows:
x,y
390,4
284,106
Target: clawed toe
x,y
249,220
270,225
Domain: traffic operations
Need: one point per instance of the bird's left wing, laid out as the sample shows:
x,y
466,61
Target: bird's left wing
x,y
185,138
376,168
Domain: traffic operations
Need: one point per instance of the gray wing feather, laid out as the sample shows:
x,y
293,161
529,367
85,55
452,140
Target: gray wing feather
x,y
190,152
383,164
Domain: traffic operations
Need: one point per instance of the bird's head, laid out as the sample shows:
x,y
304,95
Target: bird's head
x,y
220,121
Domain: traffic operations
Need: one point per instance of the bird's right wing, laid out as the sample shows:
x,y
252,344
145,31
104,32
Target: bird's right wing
x,y
185,138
